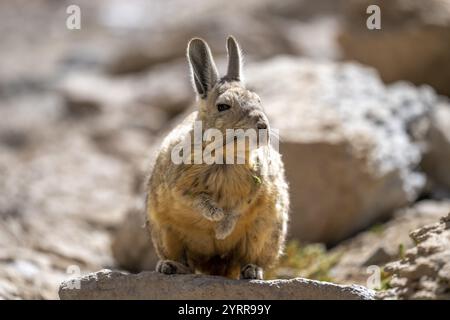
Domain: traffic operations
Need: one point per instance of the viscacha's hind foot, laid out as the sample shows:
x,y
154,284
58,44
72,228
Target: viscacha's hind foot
x,y
252,271
172,267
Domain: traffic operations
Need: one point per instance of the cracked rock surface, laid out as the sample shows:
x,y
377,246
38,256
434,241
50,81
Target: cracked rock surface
x,y
107,284
424,273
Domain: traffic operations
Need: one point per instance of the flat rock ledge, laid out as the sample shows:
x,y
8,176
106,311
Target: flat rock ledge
x,y
107,284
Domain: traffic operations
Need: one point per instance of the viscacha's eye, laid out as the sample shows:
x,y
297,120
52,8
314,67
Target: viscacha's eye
x,y
222,107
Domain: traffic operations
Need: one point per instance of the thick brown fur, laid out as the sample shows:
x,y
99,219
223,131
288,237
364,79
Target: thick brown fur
x,y
187,204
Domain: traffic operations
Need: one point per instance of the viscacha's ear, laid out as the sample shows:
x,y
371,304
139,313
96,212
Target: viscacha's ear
x,y
234,72
203,69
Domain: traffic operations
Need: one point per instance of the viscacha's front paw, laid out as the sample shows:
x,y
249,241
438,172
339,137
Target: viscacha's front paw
x,y
226,226
213,213
172,267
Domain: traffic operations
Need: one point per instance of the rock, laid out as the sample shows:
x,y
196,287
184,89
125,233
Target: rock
x,y
89,93
406,26
436,160
144,48
424,273
345,142
131,244
29,274
107,284
383,243
60,196
57,205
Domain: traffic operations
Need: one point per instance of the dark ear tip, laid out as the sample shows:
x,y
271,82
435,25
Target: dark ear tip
x,y
231,40
196,42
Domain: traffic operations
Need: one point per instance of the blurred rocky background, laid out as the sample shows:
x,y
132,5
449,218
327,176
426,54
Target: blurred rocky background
x,y
363,115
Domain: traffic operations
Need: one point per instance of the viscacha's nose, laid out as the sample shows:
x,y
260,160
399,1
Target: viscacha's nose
x,y
258,119
261,125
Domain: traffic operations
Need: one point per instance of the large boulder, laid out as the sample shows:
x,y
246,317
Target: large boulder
x,y
350,144
107,284
436,160
413,43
